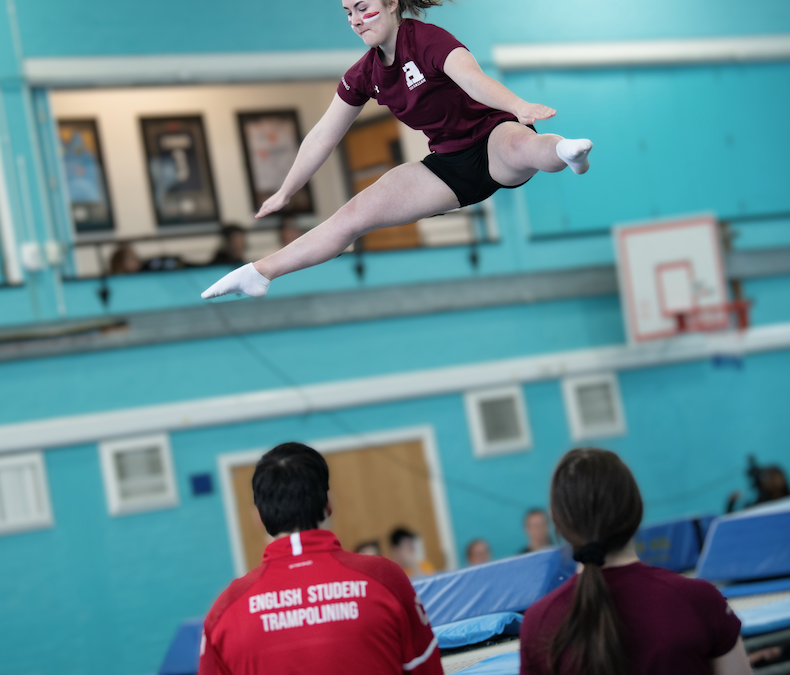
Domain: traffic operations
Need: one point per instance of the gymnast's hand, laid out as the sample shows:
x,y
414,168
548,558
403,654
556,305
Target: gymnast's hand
x,y
274,203
527,113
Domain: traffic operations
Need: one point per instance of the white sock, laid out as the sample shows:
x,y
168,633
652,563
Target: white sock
x,y
245,280
574,151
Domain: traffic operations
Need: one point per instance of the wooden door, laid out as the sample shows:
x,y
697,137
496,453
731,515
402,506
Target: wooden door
x,y
373,491
377,489
372,149
254,537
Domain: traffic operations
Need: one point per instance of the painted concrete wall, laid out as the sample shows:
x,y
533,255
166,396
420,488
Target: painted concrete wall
x,y
147,26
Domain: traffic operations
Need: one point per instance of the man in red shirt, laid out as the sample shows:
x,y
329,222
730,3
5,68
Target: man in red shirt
x,y
312,607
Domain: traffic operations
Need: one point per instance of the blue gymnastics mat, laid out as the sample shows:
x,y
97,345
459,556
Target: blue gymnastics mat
x,y
765,619
509,585
184,652
477,629
501,664
750,545
673,545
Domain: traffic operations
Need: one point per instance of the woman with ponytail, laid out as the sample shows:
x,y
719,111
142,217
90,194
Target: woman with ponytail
x,y
617,616
480,134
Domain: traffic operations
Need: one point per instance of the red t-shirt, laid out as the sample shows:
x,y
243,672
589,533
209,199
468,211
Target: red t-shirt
x,y
418,92
670,624
312,608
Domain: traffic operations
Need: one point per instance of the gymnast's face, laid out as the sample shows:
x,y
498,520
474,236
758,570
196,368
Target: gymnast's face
x,y
373,20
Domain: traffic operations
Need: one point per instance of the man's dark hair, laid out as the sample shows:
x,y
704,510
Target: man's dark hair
x,y
289,486
399,534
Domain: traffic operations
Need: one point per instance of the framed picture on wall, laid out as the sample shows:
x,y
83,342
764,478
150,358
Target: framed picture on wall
x,y
271,140
86,180
179,170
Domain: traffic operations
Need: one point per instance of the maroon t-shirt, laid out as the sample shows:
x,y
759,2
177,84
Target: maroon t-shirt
x,y
418,92
669,623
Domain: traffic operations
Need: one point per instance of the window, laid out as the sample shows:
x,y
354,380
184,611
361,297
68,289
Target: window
x,y
138,474
24,494
498,421
594,406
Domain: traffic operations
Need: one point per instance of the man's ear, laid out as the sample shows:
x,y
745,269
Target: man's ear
x,y
328,509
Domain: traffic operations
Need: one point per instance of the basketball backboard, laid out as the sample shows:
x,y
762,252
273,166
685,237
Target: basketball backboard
x,y
668,271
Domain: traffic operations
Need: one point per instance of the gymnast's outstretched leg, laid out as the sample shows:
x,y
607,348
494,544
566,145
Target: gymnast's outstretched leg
x,y
402,195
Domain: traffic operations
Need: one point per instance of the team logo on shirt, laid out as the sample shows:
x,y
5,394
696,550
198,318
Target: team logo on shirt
x,y
414,78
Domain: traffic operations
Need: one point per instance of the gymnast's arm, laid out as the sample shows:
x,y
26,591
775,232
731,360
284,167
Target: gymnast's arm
x,y
314,151
734,662
462,68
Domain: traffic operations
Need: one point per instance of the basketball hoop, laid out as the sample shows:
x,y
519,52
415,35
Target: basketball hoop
x,y
713,318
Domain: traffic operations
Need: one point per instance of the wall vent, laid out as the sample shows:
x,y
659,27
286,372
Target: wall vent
x,y
24,493
498,421
138,474
594,406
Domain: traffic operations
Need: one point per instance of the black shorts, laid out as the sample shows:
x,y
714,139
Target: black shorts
x,y
466,171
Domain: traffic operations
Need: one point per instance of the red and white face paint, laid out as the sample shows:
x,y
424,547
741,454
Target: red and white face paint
x,y
368,17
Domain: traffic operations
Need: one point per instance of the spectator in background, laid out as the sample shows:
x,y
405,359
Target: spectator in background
x,y
536,530
368,548
288,230
232,251
616,615
770,483
477,552
124,260
406,550
312,608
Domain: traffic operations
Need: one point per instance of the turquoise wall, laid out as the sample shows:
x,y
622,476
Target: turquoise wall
x,y
87,27
667,142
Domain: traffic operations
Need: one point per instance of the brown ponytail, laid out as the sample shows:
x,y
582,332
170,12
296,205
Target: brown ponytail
x,y
415,7
596,506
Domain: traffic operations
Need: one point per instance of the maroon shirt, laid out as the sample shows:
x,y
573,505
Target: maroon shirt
x,y
312,608
418,92
670,624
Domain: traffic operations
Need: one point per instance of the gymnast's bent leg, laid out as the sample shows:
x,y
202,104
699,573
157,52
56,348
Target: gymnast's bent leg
x,y
402,195
516,153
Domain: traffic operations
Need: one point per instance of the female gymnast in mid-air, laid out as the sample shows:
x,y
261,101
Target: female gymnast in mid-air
x,y
480,135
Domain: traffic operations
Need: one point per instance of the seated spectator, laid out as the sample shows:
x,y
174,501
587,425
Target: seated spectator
x,y
124,260
477,552
289,231
312,607
616,615
405,549
232,251
770,484
536,530
774,484
368,548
